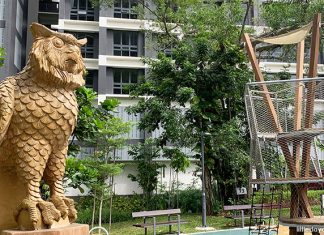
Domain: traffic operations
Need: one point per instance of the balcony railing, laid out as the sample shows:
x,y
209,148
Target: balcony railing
x,y
52,7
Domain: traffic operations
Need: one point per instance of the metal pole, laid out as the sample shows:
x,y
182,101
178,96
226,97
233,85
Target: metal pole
x,y
203,181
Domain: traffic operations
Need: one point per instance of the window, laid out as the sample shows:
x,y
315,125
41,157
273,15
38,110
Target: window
x,y
82,10
2,37
125,43
2,9
17,55
124,9
89,78
123,78
48,6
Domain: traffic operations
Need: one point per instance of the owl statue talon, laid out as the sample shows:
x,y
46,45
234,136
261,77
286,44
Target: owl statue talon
x,y
31,207
72,211
49,212
36,214
60,205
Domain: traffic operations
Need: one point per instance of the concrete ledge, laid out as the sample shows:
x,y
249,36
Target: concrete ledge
x,y
73,229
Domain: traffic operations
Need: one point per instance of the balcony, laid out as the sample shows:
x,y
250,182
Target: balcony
x,y
77,25
49,7
121,62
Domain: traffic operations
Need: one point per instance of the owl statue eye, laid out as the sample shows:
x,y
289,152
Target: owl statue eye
x,y
58,42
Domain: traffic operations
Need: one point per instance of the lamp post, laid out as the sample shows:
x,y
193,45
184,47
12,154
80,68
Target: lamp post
x,y
203,196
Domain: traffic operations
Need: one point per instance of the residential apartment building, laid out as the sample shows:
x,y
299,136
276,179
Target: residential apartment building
x,y
116,44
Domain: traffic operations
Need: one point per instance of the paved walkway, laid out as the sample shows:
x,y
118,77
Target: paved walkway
x,y
283,230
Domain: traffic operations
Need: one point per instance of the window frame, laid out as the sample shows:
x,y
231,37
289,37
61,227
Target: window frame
x,y
124,81
120,11
124,46
86,14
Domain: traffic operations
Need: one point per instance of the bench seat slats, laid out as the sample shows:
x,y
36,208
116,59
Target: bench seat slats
x,y
155,213
172,222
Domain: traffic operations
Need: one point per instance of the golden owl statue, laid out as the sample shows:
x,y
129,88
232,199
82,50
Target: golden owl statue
x,y
38,112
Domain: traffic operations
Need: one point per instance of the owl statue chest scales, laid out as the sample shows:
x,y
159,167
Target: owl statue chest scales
x,y
43,113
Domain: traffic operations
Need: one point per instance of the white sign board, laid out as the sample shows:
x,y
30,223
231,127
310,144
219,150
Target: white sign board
x,y
241,191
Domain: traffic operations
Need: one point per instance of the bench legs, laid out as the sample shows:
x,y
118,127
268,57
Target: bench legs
x,y
178,224
154,225
145,229
242,214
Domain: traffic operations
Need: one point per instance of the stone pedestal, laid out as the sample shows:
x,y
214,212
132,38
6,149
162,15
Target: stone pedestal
x,y
11,195
73,229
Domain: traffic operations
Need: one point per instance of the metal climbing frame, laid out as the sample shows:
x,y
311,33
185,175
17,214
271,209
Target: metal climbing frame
x,y
265,210
286,141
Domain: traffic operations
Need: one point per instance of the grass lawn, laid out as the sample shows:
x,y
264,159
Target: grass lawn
x,y
127,228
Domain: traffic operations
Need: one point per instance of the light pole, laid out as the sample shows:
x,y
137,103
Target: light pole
x,y
203,196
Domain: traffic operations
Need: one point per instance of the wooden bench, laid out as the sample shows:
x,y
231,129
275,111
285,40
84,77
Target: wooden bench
x,y
154,224
243,208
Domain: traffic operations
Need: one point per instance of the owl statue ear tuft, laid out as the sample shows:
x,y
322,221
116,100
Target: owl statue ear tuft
x,y
82,41
39,30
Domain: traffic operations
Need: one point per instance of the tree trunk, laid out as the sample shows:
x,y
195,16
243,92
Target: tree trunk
x,y
209,191
111,203
93,210
100,209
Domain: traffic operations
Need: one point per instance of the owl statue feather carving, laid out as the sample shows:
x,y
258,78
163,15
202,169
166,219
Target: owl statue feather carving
x,y
38,111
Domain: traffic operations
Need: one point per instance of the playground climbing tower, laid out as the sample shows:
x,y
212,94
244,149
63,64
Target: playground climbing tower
x,y
286,121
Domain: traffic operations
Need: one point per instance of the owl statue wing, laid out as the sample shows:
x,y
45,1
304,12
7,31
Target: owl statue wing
x,y
7,88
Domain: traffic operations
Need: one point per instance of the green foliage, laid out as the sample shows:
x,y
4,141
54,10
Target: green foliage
x,y
199,89
102,3
99,128
91,119
2,56
78,174
190,200
290,13
285,15
144,155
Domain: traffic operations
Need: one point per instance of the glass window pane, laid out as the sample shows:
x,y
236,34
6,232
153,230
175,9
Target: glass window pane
x,y
82,4
117,36
90,40
117,91
133,53
117,76
125,53
116,52
125,76
134,77
125,3
125,15
133,3
134,38
133,16
125,38
75,4
90,5
117,3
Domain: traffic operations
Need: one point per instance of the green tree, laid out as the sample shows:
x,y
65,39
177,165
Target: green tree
x,y
99,128
285,15
200,88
